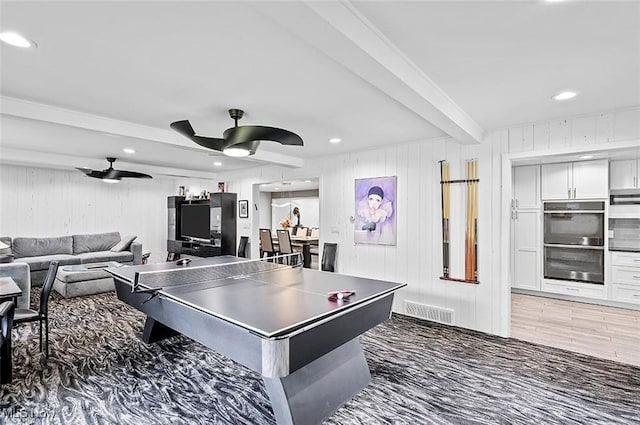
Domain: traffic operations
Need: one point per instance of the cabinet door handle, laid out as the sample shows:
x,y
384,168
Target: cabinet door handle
x,y
574,193
569,193
573,289
636,277
636,295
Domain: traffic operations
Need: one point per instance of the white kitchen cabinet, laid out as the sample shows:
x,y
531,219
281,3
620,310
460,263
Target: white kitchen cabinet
x,y
576,289
576,180
526,250
526,186
624,174
556,181
625,277
591,179
526,219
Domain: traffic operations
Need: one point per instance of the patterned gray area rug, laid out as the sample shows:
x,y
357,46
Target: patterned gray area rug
x,y
100,372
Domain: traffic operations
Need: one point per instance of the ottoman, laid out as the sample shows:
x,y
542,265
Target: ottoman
x,y
84,279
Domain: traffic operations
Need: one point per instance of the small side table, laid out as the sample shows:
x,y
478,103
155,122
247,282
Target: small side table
x,y
9,290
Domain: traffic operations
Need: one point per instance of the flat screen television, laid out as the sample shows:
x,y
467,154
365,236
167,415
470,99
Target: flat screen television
x,y
195,221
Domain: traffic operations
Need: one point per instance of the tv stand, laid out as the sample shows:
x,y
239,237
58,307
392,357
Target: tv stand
x,y
198,249
223,232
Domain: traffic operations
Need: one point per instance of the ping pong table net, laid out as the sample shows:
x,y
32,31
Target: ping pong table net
x,y
154,280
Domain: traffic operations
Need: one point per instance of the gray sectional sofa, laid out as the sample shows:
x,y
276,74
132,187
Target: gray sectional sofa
x,y
75,249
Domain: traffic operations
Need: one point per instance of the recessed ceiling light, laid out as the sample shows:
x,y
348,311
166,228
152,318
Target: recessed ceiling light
x,y
586,157
128,150
564,95
335,140
264,184
307,181
16,40
217,163
276,188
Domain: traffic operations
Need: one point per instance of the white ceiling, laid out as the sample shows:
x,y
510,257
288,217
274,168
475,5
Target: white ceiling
x,y
108,75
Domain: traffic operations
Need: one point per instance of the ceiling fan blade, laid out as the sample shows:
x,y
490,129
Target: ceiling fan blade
x,y
248,133
119,174
87,171
183,127
209,142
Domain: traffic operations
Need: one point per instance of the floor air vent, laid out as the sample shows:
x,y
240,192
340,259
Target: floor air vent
x,y
429,312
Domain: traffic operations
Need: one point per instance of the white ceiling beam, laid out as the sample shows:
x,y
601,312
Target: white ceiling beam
x,y
341,32
11,156
41,112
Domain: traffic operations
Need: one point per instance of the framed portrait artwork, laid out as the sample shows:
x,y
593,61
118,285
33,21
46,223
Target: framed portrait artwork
x,y
243,209
375,211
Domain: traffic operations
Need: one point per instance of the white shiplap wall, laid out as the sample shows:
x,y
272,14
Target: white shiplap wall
x,y
48,202
417,258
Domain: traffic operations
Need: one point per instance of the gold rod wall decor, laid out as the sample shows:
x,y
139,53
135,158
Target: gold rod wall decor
x,y
444,177
471,233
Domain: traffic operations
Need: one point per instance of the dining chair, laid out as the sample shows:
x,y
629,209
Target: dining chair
x,y
284,241
329,257
266,243
242,247
7,311
315,232
302,231
27,315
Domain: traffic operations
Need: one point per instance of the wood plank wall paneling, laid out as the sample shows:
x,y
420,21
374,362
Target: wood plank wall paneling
x,y
44,202
417,258
47,202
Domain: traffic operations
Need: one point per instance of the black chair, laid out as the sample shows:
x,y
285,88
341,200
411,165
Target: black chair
x,y
329,257
266,243
242,248
284,242
7,310
26,315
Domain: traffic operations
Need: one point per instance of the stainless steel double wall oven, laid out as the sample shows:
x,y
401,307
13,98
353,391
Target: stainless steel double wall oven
x,y
574,241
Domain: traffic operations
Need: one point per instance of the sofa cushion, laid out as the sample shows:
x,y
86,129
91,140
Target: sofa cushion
x,y
42,262
34,247
123,245
97,257
95,242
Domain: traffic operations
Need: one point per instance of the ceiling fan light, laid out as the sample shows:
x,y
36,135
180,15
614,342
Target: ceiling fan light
x,y
106,180
236,152
565,95
16,40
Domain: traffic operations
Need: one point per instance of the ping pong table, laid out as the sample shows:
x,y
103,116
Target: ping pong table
x,y
272,318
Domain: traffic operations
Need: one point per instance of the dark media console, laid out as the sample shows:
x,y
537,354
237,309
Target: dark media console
x,y
201,227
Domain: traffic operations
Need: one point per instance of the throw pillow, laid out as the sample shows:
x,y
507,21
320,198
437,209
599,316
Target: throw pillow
x,y
123,245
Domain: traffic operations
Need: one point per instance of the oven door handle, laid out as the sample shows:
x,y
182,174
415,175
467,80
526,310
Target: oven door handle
x,y
574,211
557,245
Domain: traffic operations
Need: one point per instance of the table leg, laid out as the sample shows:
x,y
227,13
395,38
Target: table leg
x,y
6,362
155,331
311,394
306,256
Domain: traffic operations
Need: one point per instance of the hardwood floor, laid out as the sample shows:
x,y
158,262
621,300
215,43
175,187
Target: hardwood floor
x,y
600,331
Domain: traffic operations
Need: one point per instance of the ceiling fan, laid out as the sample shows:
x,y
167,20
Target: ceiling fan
x,y
239,140
111,175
